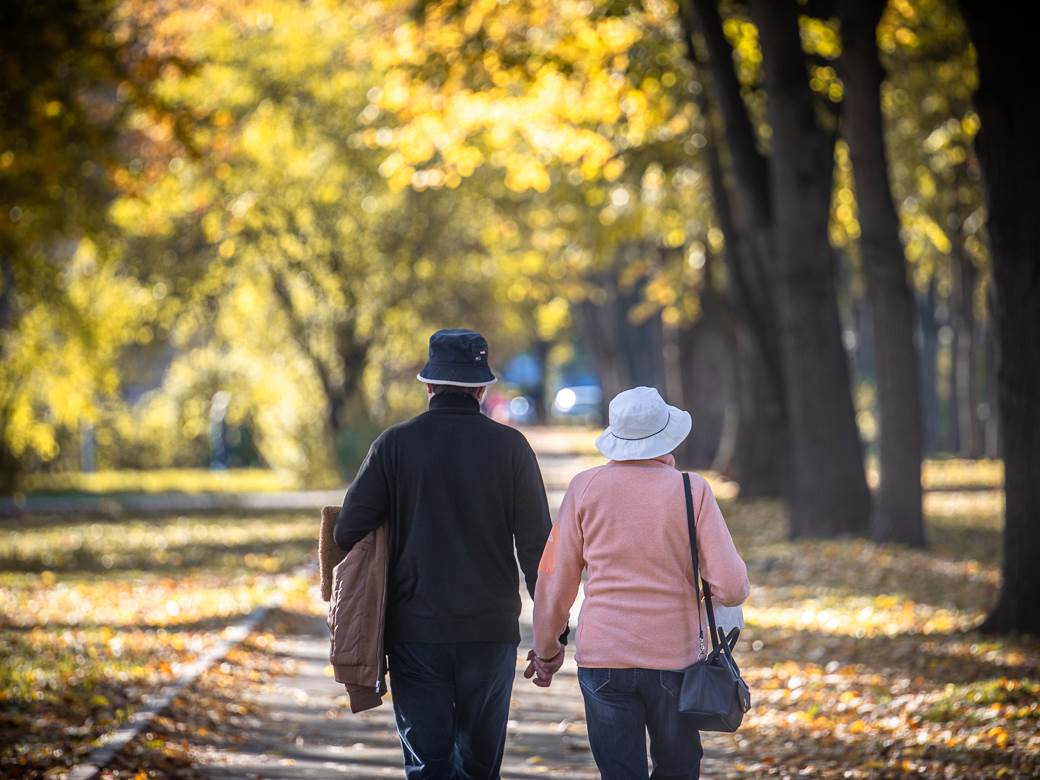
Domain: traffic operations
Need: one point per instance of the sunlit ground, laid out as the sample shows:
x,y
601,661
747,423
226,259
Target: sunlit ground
x,y
163,481
864,661
861,658
93,615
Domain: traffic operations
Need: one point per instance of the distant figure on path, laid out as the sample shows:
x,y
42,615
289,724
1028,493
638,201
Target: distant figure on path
x,y
625,524
456,490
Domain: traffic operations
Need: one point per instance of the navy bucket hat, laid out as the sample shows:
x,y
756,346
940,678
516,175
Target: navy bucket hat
x,y
457,357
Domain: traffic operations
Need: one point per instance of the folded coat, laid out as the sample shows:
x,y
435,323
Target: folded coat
x,y
355,585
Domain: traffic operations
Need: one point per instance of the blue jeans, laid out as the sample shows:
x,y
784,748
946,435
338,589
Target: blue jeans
x,y
621,705
451,702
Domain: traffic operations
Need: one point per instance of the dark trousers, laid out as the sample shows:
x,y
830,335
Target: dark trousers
x,y
621,706
451,702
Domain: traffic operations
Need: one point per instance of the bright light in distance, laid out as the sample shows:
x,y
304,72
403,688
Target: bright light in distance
x,y
519,406
565,399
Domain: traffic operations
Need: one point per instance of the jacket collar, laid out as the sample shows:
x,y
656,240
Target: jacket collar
x,y
455,403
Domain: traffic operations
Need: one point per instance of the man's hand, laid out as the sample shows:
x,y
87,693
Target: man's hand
x,y
543,669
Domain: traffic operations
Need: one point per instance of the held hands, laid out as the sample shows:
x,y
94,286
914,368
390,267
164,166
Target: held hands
x,y
543,669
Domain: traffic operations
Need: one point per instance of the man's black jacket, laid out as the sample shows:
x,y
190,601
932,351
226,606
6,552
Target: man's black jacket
x,y
456,489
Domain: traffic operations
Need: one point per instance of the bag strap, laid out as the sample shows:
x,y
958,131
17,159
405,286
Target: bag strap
x,y
697,581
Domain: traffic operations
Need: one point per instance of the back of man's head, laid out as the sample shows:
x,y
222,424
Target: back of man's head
x,y
476,392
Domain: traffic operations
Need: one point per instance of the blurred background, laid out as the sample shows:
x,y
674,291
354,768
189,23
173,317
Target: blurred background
x,y
228,228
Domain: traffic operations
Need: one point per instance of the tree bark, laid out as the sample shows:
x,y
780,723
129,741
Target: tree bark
x,y
830,495
1006,147
897,515
760,450
759,463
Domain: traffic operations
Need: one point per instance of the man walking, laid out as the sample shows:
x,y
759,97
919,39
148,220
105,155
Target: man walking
x,y
455,489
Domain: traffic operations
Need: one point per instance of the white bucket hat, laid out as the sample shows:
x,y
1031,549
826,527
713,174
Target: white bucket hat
x,y
642,426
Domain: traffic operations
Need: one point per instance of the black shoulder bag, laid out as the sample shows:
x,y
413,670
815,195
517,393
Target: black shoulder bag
x,y
713,691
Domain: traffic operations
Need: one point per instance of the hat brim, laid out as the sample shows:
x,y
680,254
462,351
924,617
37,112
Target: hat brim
x,y
463,376
674,433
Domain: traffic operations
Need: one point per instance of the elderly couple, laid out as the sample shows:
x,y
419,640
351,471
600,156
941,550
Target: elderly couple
x,y
457,491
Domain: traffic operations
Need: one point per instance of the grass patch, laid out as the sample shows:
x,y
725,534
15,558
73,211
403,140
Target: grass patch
x,y
115,482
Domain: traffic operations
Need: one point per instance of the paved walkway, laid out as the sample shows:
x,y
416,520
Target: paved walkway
x,y
309,731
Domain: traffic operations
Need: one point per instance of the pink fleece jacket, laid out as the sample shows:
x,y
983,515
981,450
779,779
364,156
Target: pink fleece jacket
x,y
626,523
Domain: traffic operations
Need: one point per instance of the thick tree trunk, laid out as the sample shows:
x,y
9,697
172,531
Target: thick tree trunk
x,y
706,366
830,490
1010,161
760,442
897,513
761,458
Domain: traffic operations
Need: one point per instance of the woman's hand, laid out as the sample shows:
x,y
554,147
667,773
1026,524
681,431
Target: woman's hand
x,y
543,669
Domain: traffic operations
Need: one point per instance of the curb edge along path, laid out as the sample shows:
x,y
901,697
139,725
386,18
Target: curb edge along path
x,y
113,742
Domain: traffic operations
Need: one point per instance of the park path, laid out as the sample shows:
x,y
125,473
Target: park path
x,y
306,729
309,732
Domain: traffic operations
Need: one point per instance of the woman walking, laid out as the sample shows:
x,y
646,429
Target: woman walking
x,y
625,524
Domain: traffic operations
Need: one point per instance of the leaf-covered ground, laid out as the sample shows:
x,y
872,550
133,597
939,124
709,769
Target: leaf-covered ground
x,y
94,615
862,658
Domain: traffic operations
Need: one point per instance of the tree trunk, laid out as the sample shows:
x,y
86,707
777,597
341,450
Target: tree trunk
x,y
988,417
594,319
965,382
625,353
760,442
10,468
706,359
830,494
761,459
346,398
539,394
897,513
929,336
1006,147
